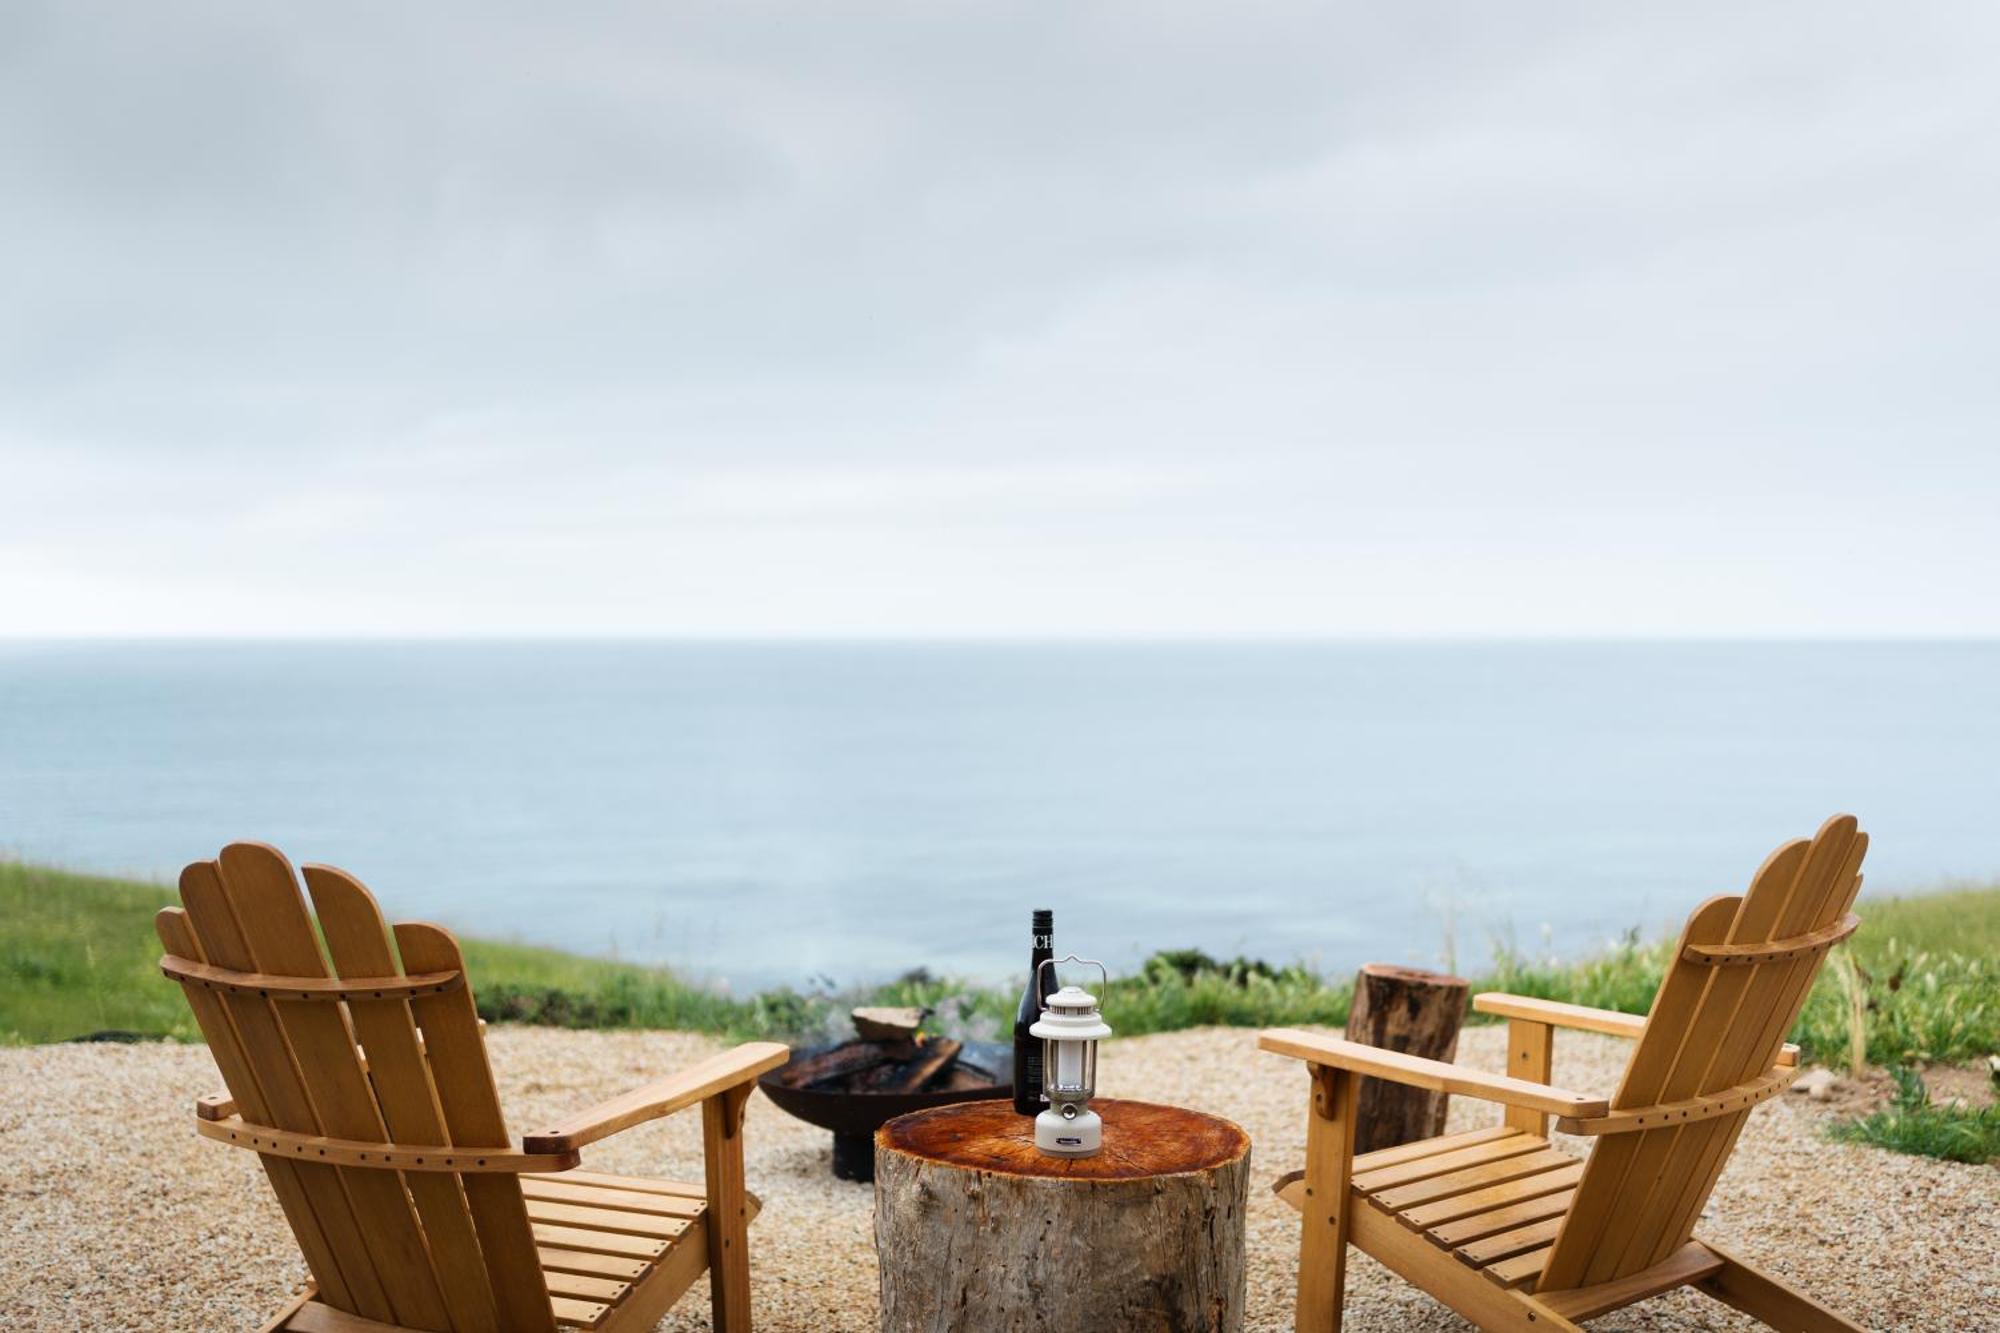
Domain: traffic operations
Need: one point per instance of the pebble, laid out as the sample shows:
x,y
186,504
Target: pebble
x,y
113,1215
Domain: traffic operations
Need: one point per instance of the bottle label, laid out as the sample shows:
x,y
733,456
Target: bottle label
x,y
1045,942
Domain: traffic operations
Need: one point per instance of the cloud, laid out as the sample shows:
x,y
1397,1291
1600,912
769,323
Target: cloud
x,y
1100,318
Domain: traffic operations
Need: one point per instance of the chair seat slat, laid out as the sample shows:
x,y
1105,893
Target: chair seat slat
x,y
1425,1216
1505,1217
572,1313
1439,1164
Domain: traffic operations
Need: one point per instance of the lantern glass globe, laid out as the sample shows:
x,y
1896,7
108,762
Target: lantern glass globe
x,y
1070,1027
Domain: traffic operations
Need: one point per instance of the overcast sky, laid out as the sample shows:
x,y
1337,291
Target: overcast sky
x,y
1146,318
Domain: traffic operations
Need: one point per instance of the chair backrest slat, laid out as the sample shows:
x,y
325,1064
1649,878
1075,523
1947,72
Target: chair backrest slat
x,y
262,888
1647,1079
211,1014
1711,1029
286,1104
1692,1070
456,1050
358,941
434,1250
1826,892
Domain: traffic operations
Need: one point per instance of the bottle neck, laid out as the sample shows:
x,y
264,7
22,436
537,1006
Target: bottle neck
x,y
1042,933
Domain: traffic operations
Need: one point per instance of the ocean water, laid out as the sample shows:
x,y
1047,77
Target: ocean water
x,y
763,813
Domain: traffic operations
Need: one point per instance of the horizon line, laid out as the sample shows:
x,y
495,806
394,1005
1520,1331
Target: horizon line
x,y
1000,639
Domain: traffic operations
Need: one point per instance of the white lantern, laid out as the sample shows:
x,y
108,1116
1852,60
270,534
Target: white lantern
x,y
1070,1028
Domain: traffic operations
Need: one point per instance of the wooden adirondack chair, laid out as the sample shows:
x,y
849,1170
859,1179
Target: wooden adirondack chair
x,y
1516,1235
366,1092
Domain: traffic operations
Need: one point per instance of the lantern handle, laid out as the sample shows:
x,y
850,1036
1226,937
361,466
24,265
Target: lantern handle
x,y
1074,958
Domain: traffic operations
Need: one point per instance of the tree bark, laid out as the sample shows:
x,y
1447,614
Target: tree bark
x,y
1415,1012
978,1232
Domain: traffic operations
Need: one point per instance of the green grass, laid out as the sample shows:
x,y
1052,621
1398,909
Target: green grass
x,y
77,956
1929,968
1930,973
1910,1124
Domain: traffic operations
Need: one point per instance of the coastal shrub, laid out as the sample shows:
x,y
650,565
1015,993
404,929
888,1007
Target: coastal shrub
x,y
1188,964
1186,988
1920,1006
1624,977
1912,1124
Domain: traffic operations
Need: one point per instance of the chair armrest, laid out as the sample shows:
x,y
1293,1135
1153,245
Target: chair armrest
x,y
662,1097
1556,1014
1436,1075
1580,1018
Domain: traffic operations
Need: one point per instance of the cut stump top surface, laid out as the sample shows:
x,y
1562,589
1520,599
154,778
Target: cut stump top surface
x,y
1141,1139
1415,975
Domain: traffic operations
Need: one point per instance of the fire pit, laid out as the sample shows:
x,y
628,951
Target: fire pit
x,y
852,1087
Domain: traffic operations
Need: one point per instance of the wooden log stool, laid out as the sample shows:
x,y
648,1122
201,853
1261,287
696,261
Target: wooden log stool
x,y
1418,1013
977,1231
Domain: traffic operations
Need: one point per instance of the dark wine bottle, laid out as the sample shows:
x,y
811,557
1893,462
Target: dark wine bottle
x,y
1041,985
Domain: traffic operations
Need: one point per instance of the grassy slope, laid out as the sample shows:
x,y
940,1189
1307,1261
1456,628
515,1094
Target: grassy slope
x,y
77,955
1928,968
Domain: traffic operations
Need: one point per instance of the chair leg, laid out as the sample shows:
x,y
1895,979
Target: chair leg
x,y
1325,1220
728,1217
1531,1051
1768,1300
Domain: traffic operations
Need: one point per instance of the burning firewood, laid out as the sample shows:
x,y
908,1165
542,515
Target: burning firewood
x,y
938,1053
911,1070
845,1061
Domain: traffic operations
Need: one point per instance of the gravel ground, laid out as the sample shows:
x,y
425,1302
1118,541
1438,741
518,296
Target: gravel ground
x,y
114,1216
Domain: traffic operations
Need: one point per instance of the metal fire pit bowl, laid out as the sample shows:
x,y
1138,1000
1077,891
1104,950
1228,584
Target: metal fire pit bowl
x,y
855,1116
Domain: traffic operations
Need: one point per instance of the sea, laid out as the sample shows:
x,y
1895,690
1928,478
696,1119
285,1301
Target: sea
x,y
831,814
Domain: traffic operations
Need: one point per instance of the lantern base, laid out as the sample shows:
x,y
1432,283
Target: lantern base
x,y
1078,1137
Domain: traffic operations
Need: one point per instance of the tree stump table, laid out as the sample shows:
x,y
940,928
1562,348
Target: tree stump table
x,y
978,1231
